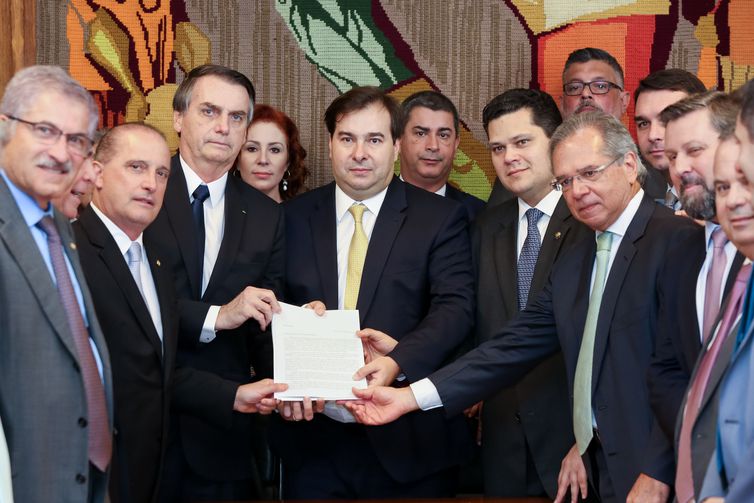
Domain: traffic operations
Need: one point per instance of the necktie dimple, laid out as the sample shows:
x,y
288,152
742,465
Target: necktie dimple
x,y
99,440
684,481
357,253
714,281
134,264
527,259
582,387
197,209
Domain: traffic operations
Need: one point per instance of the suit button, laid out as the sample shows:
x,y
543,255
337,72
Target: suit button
x,y
82,422
80,478
517,417
602,407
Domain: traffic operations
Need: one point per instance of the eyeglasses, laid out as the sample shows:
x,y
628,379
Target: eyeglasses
x,y
49,134
596,86
585,175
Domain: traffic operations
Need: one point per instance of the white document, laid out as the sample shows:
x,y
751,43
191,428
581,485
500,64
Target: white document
x,y
316,356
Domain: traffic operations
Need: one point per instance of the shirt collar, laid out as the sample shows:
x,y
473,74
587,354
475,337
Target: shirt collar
x,y
709,228
28,207
216,188
343,202
121,239
440,192
546,205
620,226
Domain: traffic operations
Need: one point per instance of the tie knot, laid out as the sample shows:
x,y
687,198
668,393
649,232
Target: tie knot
x,y
604,241
533,215
357,210
201,193
719,238
48,227
134,253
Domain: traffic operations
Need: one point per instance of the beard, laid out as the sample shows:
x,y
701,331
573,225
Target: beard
x,y
699,205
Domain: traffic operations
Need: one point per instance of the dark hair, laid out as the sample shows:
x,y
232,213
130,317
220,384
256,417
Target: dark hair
x,y
429,99
586,54
297,170
182,96
360,98
746,92
722,107
544,110
670,79
107,145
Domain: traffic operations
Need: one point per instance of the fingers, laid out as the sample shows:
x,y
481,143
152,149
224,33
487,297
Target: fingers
x,y
318,306
268,387
363,394
366,371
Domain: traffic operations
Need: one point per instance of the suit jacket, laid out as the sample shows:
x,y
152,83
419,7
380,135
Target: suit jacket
x,y
626,330
417,286
472,204
251,254
499,194
736,430
42,400
533,415
680,340
142,363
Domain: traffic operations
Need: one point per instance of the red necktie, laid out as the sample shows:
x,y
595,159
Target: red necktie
x,y
684,483
99,440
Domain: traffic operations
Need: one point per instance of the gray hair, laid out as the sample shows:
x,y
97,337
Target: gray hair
x,y
616,140
29,83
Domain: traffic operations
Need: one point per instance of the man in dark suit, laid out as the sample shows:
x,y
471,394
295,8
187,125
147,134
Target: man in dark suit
x,y
416,286
525,428
223,242
429,140
600,312
704,267
136,305
55,382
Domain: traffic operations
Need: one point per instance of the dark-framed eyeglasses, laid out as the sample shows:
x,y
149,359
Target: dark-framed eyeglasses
x,y
77,143
596,86
585,175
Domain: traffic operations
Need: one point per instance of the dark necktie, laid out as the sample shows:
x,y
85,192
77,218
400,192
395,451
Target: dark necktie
x,y
99,439
527,260
671,200
684,483
197,209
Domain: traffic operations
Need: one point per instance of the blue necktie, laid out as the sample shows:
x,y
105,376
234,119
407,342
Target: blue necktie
x,y
527,260
197,209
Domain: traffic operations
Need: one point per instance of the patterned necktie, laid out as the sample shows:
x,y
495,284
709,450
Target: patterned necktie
x,y
713,285
197,209
671,200
582,387
99,439
527,260
684,482
357,252
134,264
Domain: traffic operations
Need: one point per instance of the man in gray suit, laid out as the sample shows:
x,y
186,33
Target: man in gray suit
x,y
55,383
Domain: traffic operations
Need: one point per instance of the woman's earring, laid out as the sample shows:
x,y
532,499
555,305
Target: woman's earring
x,y
285,180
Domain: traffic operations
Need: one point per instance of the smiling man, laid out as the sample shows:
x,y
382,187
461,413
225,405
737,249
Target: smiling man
x,y
223,241
400,255
429,140
599,310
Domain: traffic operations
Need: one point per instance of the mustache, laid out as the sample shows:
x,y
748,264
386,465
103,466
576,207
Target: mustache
x,y
587,103
50,163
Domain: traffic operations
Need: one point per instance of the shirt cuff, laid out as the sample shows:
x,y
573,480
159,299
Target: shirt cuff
x,y
426,394
208,329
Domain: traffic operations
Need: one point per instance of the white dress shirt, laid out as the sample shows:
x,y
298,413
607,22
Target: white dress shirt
x,y
214,228
149,290
6,482
546,206
701,280
425,392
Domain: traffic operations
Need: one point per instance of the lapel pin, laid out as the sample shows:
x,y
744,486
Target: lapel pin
x,y
243,211
72,245
558,235
158,263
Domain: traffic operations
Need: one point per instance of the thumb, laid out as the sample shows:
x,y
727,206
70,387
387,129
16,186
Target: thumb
x,y
366,370
363,394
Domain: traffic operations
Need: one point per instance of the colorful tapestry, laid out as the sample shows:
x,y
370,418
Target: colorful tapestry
x,y
301,54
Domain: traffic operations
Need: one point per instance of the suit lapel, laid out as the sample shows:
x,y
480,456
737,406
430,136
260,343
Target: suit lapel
x,y
235,217
505,258
162,283
720,365
616,277
178,209
322,225
386,227
557,229
113,260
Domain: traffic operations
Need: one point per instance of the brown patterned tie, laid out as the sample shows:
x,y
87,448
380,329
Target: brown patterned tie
x,y
99,441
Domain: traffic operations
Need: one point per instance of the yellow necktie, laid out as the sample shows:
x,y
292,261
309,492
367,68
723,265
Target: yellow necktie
x,y
357,252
